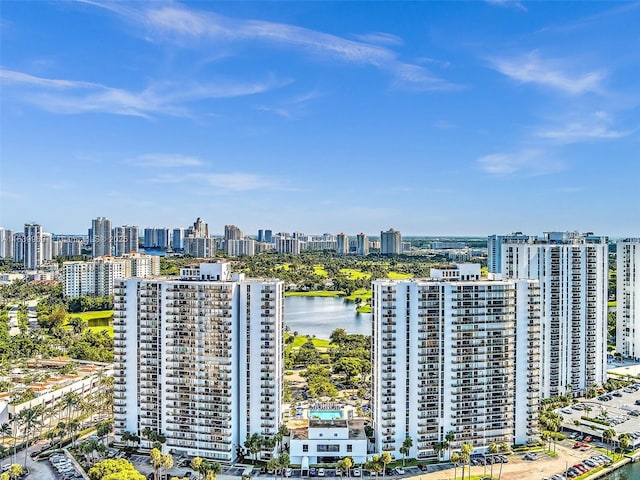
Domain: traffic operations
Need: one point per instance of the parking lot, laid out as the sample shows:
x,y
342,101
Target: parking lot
x,y
620,409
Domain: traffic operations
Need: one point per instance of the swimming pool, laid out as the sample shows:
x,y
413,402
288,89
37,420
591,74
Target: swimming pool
x,y
325,414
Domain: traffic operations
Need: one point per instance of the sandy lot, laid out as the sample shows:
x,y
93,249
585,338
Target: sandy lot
x,y
518,469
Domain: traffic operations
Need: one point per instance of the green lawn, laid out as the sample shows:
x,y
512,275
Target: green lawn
x,y
300,340
354,274
87,316
366,308
284,266
612,303
316,293
319,270
398,275
363,293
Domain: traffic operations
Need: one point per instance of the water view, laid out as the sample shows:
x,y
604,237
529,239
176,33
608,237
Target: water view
x,y
628,472
319,316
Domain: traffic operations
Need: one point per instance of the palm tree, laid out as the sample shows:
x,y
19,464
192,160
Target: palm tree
x,y
438,447
15,471
493,450
449,437
385,459
70,401
608,435
196,464
624,441
504,447
5,431
348,464
60,429
166,462
212,471
406,448
29,419
465,456
72,427
455,459
155,455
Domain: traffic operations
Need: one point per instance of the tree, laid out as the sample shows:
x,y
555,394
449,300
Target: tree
x,y
155,455
114,469
212,470
455,459
166,462
607,436
504,447
78,325
493,450
73,427
28,418
438,447
15,470
196,465
624,440
465,457
5,431
406,448
385,459
449,437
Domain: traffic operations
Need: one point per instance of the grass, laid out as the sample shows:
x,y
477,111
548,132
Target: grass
x,y
612,303
88,316
300,340
354,274
316,293
364,308
399,275
363,294
320,270
284,266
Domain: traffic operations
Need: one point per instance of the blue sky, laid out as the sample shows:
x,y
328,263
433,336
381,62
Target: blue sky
x,y
460,118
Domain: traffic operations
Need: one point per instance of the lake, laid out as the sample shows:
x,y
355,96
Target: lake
x,y
320,316
628,472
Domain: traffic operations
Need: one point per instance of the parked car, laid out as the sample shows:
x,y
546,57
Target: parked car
x,y
313,472
399,471
321,472
356,472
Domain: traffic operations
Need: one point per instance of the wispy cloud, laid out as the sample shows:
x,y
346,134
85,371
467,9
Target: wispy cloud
x,y
71,96
165,160
508,4
180,25
531,68
293,106
379,38
224,182
522,163
594,127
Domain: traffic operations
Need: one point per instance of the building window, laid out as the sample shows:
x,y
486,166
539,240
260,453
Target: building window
x,y
349,448
328,448
305,447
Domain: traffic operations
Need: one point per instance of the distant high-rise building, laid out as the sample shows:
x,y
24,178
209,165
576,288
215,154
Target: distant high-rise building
x,y
390,242
241,248
162,238
221,375
102,240
177,239
268,236
342,244
200,247
362,246
34,248
6,243
231,232
18,247
628,298
458,354
149,240
261,235
200,229
572,270
125,239
286,244
494,248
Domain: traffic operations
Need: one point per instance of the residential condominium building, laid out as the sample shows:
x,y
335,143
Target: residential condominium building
x,y
342,247
6,243
390,242
125,239
494,248
36,246
96,278
199,359
628,298
101,237
572,269
457,354
362,245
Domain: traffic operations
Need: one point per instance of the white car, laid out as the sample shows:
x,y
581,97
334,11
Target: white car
x,y
399,470
321,472
356,472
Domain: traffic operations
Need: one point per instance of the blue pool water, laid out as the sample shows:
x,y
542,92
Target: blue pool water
x,y
325,414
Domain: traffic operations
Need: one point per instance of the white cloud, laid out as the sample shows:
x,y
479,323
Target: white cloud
x,y
508,4
380,38
166,160
70,96
531,68
594,127
223,182
523,163
178,24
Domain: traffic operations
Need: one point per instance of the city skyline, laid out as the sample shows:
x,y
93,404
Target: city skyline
x,y
470,118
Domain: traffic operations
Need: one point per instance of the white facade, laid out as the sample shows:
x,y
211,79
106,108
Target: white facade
x,y
342,247
6,243
97,277
572,270
200,247
327,441
198,359
287,245
494,248
239,248
454,356
628,298
101,237
125,239
36,246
